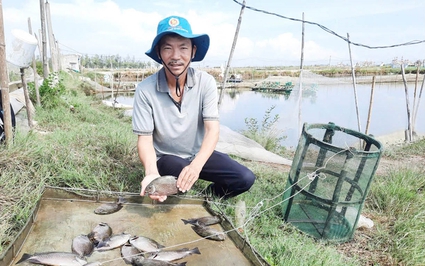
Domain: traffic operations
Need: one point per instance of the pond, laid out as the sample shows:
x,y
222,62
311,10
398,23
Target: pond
x,y
321,104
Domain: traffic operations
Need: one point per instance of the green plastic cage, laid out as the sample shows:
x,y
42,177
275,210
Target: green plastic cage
x,y
329,179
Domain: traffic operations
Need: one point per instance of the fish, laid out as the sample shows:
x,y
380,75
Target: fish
x,y
108,208
141,261
145,244
100,233
114,241
53,258
209,232
162,186
203,221
129,252
82,245
172,255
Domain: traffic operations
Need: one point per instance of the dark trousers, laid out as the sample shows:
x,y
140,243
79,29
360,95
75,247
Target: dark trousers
x,y
229,177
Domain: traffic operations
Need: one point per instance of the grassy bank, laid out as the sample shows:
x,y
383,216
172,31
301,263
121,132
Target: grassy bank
x,y
81,143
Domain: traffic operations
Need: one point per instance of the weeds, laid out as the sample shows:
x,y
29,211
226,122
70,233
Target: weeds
x,y
266,134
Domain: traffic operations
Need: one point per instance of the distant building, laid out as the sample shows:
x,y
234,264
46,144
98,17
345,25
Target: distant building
x,y
71,61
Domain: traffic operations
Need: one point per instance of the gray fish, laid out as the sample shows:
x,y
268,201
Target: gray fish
x,y
209,232
203,221
114,241
129,252
82,245
108,208
54,258
145,244
172,255
163,186
100,233
140,261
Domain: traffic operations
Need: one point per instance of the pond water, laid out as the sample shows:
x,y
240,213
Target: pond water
x,y
328,103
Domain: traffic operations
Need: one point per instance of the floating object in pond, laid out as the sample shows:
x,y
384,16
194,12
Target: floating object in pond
x,y
141,261
53,258
172,255
129,252
203,221
114,241
145,244
100,233
108,208
82,245
209,232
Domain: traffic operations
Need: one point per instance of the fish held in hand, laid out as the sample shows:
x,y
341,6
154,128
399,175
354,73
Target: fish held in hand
x,y
82,245
114,241
162,186
53,258
203,221
209,232
140,261
172,255
108,208
145,244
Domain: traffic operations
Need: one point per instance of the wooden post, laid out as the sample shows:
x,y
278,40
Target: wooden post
x,y
34,67
353,74
415,112
370,106
235,39
7,117
52,42
414,97
300,94
406,91
27,97
58,56
44,41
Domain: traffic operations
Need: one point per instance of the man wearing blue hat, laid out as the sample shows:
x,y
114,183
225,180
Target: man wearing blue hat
x,y
176,117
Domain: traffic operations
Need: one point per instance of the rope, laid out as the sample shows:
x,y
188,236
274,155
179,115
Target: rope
x,y
331,31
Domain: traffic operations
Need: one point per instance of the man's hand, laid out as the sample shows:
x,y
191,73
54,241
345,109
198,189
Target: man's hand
x,y
146,181
187,178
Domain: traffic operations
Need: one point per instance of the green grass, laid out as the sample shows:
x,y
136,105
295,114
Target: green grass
x,y
93,147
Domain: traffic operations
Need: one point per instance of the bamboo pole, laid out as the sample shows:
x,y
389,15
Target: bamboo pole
x,y
34,67
414,99
7,116
406,91
370,106
44,41
52,42
353,74
415,111
300,94
235,39
27,97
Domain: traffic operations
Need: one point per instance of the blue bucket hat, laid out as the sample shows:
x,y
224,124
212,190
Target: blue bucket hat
x,y
180,26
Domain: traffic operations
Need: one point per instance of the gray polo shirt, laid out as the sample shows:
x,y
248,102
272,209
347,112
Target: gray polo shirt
x,y
175,131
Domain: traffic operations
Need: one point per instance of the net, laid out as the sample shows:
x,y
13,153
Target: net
x,y
329,180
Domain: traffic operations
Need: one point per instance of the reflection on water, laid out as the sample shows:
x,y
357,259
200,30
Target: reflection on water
x,y
320,104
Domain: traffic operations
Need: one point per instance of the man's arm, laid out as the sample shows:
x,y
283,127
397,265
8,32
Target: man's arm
x,y
148,158
190,173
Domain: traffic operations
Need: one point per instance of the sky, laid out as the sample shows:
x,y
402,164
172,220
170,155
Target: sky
x,y
127,28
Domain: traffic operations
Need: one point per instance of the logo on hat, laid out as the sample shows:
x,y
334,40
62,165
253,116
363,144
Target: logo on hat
x,y
173,22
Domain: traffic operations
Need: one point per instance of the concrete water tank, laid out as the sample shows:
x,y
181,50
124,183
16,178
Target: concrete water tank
x,y
20,50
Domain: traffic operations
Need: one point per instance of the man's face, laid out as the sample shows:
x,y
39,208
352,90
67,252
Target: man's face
x,y
176,52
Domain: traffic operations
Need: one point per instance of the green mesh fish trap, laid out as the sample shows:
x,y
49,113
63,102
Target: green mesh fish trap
x,y
329,180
